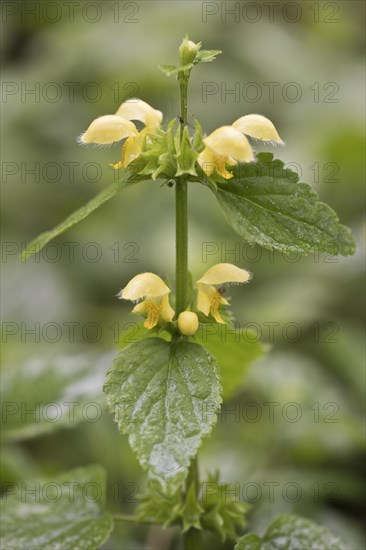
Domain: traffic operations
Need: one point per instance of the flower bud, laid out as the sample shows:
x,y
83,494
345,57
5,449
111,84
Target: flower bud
x,y
188,51
188,323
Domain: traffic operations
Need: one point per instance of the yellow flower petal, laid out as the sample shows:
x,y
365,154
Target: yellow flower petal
x,y
220,167
108,129
166,312
155,308
208,301
142,285
188,323
223,273
206,160
131,149
116,165
215,302
210,162
152,308
203,301
230,142
259,127
140,308
136,109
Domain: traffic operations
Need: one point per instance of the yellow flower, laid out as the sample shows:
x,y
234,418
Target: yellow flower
x,y
227,145
154,294
113,128
188,323
209,297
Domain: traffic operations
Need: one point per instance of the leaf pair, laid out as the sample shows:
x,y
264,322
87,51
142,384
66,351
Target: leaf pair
x,y
202,56
264,203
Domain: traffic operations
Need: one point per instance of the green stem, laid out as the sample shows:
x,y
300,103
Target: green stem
x,y
193,476
181,207
192,539
181,220
183,79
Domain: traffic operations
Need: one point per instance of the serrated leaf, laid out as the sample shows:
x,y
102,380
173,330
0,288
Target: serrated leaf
x,y
205,56
165,395
62,512
234,351
128,177
44,394
291,533
266,205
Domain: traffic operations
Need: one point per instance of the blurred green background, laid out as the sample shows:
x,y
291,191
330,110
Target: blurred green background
x,y
301,65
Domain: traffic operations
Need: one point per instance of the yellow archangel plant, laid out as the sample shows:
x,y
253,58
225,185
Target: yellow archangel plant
x,y
161,385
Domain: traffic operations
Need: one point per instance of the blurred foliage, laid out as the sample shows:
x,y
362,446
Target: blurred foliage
x,y
309,309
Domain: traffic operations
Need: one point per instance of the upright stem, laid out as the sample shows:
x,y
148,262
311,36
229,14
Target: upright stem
x,y
181,206
192,539
183,86
181,240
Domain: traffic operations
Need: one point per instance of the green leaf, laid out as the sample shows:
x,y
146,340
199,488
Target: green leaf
x,y
154,507
234,351
191,511
251,541
44,394
63,512
186,157
160,154
224,513
197,143
165,395
128,177
205,56
265,204
215,509
291,533
169,70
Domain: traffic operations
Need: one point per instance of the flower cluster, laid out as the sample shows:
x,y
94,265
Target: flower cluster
x,y
152,297
167,155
